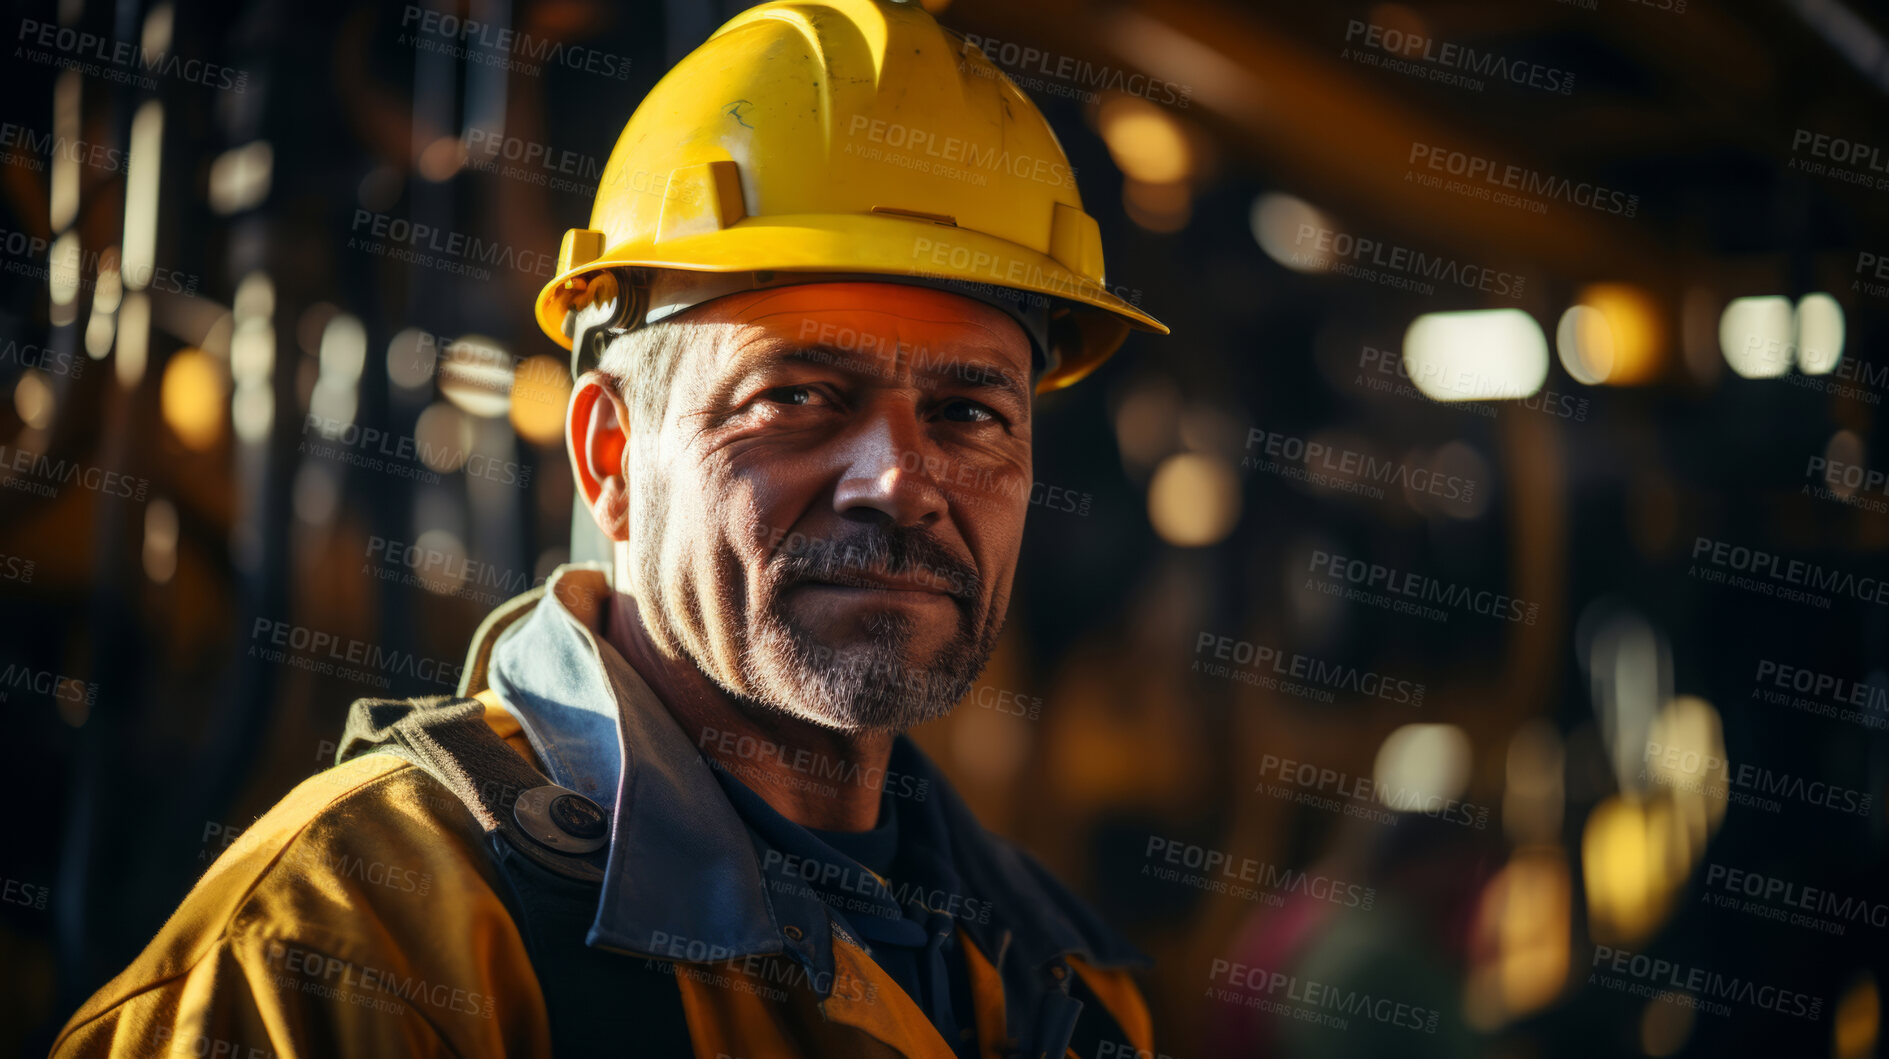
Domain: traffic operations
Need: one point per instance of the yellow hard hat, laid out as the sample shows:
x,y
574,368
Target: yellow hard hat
x,y
811,139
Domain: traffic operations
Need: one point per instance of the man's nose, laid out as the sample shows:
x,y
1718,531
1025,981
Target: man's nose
x,y
886,469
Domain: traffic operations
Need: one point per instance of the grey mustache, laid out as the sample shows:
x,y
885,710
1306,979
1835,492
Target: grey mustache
x,y
903,554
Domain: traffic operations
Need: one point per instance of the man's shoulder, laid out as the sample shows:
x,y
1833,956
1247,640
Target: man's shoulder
x,y
372,829
367,889
354,863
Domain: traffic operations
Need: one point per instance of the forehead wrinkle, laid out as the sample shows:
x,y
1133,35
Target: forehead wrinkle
x,y
977,324
985,374
759,298
874,311
899,347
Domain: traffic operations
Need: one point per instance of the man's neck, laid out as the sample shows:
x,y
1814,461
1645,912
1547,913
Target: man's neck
x,y
790,763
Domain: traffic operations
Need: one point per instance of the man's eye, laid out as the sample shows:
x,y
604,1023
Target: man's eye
x,y
795,395
963,411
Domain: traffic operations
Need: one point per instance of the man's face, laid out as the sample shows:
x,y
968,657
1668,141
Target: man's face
x,y
828,522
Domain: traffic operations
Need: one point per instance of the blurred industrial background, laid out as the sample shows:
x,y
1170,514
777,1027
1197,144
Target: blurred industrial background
x,y
1464,605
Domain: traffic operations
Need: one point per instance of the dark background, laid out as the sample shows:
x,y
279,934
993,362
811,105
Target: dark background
x,y
144,729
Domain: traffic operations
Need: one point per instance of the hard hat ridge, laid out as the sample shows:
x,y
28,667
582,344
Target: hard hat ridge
x,y
845,138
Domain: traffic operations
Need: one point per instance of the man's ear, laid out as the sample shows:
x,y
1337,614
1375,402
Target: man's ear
x,y
597,433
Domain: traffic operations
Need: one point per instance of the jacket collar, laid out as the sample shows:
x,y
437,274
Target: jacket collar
x,y
682,876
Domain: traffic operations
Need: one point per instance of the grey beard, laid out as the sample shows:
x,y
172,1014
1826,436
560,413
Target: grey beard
x,y
781,666
863,686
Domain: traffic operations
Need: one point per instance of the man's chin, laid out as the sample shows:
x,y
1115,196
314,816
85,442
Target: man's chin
x,y
838,620
884,676
863,690
858,718
851,687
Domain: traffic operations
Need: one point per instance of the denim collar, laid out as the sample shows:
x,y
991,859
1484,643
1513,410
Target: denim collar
x,y
683,879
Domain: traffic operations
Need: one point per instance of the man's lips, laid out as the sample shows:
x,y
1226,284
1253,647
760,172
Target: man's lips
x,y
875,582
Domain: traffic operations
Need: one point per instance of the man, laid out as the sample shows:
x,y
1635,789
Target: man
x,y
673,812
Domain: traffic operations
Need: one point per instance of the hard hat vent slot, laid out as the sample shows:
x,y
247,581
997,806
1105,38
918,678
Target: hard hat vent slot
x,y
920,215
705,197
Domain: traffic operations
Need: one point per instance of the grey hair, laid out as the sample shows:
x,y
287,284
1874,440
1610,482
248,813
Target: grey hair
x,y
642,365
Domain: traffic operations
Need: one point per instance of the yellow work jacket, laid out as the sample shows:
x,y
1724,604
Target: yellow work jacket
x,y
375,911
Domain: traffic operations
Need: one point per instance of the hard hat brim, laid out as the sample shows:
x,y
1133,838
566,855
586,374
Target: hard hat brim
x,y
898,248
